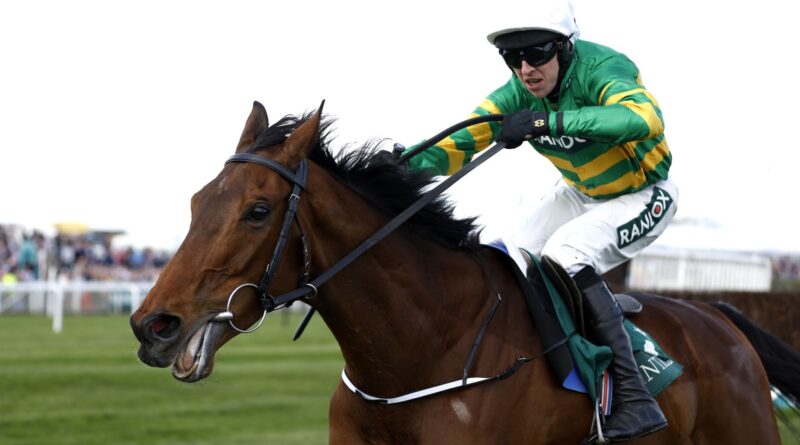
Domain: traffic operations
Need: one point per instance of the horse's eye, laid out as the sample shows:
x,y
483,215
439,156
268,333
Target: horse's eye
x,y
258,212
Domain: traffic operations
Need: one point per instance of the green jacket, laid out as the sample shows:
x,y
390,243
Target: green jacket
x,y
612,141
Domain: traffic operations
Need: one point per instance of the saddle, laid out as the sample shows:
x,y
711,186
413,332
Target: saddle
x,y
574,299
556,307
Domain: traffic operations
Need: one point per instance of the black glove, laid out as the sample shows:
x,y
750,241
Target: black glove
x,y
384,157
522,125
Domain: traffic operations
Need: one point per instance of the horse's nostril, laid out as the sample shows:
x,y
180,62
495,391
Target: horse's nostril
x,y
162,327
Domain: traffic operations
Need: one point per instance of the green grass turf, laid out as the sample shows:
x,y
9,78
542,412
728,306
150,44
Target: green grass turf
x,y
85,386
790,433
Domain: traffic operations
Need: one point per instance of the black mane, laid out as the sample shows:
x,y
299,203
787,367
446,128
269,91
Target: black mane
x,y
386,184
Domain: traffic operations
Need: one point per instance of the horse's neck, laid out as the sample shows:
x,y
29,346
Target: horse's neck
x,y
401,307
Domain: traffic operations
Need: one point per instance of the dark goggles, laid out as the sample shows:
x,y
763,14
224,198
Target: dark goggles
x,y
536,55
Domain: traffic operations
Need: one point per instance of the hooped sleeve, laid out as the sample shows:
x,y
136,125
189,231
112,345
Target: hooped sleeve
x,y
455,151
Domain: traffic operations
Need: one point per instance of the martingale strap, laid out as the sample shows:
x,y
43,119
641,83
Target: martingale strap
x,y
416,394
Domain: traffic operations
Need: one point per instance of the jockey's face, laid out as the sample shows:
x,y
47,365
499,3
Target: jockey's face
x,y
539,80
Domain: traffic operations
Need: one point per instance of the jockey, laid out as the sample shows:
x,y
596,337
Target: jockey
x,y
584,108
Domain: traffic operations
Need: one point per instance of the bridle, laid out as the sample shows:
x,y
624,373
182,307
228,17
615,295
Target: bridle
x,y
298,179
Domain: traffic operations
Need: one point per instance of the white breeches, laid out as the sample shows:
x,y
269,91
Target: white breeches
x,y
576,230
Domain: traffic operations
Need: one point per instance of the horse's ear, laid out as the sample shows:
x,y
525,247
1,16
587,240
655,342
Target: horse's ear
x,y
256,123
302,140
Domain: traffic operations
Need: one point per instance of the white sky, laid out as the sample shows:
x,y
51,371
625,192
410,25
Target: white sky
x,y
113,113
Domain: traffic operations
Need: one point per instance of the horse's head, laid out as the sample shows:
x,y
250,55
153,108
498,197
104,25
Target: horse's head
x,y
236,220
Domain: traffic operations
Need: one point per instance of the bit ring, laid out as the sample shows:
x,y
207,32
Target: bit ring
x,y
228,310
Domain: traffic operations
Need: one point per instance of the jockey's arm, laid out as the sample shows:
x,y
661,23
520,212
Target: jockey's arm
x,y
455,151
624,111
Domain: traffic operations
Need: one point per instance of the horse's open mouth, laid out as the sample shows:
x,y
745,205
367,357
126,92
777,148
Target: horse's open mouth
x,y
196,360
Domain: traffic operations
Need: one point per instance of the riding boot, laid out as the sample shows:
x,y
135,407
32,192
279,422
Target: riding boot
x,y
634,411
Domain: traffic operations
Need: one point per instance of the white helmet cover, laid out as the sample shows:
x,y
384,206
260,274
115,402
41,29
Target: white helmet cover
x,y
550,15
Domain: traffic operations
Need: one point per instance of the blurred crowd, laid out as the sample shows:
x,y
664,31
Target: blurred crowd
x,y
30,256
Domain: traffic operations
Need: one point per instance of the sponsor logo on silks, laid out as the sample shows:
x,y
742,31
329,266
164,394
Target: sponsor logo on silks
x,y
644,223
561,142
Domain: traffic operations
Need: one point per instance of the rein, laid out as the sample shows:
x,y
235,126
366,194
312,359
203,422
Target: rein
x,y
308,289
299,179
384,231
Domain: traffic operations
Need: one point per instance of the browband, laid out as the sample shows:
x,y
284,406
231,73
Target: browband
x,y
298,179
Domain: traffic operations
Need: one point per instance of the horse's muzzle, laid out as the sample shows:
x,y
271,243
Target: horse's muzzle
x,y
158,336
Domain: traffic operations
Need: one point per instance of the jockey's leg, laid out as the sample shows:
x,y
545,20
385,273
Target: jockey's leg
x,y
635,412
559,206
607,235
611,232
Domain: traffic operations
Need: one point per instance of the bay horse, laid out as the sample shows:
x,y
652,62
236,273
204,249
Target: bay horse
x,y
405,313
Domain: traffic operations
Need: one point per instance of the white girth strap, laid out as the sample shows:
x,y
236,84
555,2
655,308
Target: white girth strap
x,y
460,383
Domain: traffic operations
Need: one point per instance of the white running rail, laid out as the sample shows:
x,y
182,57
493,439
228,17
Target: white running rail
x,y
49,296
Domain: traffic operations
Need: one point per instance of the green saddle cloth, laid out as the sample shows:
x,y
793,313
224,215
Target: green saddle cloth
x,y
656,367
